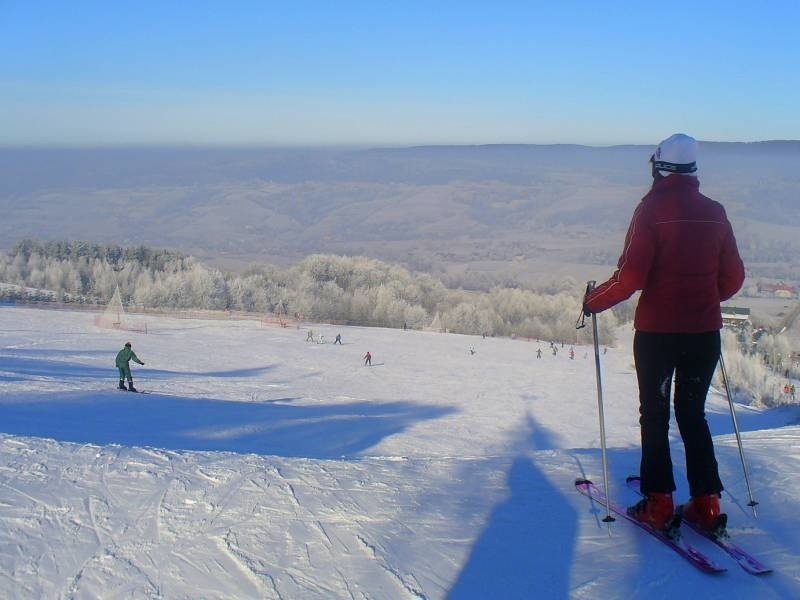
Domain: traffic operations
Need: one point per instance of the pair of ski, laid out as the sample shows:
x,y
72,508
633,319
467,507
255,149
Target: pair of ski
x,y
702,562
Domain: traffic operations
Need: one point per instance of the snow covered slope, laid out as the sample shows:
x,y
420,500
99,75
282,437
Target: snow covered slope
x,y
264,466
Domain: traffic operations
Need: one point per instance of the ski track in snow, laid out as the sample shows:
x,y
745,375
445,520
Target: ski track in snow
x,y
261,466
410,587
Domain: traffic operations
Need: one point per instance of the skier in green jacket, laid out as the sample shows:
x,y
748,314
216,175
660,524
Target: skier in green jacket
x,y
123,361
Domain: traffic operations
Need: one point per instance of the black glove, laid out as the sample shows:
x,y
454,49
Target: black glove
x,y
585,311
589,289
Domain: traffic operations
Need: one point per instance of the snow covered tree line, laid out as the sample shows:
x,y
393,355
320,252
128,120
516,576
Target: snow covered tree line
x,y
757,374
353,290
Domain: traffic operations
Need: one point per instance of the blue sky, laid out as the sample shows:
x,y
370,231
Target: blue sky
x,y
299,73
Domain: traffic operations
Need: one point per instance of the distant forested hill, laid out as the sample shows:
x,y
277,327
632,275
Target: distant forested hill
x,y
473,215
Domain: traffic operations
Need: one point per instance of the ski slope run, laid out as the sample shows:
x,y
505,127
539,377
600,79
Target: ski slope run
x,y
260,465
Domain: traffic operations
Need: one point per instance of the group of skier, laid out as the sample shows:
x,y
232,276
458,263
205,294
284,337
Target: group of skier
x,y
321,340
571,353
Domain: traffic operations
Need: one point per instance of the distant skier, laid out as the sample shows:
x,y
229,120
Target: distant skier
x,y
539,353
123,361
572,354
368,359
310,335
472,349
338,339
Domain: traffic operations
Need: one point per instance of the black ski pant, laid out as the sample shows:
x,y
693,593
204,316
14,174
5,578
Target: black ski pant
x,y
692,359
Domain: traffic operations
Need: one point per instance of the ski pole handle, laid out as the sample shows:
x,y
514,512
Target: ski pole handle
x,y
581,322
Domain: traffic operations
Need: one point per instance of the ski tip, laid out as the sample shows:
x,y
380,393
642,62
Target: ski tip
x,y
715,570
631,478
582,481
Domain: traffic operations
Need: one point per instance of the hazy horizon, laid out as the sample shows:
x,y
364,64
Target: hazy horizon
x,y
343,147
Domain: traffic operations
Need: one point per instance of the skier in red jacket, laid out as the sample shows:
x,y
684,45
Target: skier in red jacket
x,y
681,252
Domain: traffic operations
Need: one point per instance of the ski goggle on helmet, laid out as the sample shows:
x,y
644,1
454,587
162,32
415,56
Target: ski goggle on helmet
x,y
676,154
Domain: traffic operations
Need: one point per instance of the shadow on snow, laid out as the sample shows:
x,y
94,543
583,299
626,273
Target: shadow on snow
x,y
526,548
175,423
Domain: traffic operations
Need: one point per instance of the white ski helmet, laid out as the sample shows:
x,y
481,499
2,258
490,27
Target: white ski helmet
x,y
676,154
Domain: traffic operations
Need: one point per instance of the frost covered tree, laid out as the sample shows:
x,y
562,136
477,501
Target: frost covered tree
x,y
356,290
750,377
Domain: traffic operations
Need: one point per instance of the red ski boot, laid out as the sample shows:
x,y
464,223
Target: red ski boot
x,y
655,510
703,511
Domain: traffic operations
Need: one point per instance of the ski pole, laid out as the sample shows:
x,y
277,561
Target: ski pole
x,y
589,287
752,502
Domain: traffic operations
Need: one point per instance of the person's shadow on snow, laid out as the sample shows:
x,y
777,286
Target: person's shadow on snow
x,y
515,557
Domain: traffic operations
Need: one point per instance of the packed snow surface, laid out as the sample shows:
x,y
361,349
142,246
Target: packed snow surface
x,y
260,465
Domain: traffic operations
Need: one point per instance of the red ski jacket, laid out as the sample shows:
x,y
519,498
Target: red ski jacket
x,y
681,252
